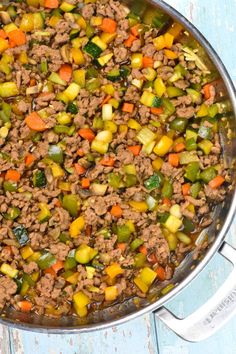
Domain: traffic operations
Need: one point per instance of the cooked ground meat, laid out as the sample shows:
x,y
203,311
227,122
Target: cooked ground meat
x,y
98,175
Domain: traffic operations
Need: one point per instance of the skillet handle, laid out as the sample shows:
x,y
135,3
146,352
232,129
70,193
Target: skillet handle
x,y
213,314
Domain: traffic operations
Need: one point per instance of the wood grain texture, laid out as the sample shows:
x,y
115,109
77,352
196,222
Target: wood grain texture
x,y
216,20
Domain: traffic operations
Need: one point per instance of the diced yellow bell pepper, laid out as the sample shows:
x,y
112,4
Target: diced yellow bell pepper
x,y
35,256
108,89
141,207
8,89
4,132
137,60
159,87
64,186
203,111
99,146
79,42
24,288
80,299
34,276
123,128
169,39
3,45
147,275
96,21
66,7
23,58
114,270
72,91
141,285
159,42
114,103
53,21
73,278
10,27
77,226
107,37
8,270
133,124
170,54
157,164
90,272
56,169
27,22
191,208
163,146
77,56
81,21
130,169
79,77
26,252
111,126
111,293
81,312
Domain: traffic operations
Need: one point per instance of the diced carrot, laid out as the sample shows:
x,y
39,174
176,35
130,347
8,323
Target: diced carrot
x,y
148,62
161,273
179,147
35,122
17,36
29,159
3,34
80,152
157,110
216,182
116,211
79,169
58,266
51,4
207,91
135,30
107,161
12,175
50,271
87,134
85,183
173,160
128,107
121,246
185,189
106,99
25,305
166,201
65,72
135,149
152,258
129,41
108,25
142,249
57,203
12,44
32,82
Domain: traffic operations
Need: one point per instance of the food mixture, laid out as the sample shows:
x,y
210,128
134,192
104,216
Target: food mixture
x,y
110,159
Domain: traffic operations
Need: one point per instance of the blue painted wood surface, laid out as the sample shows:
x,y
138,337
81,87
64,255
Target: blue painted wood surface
x,y
216,20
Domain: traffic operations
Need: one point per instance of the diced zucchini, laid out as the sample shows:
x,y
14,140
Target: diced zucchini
x,y
8,270
72,91
173,223
103,60
146,136
92,49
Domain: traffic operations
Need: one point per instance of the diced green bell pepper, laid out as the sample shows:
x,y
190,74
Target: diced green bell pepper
x,y
167,189
179,124
195,189
9,186
70,202
191,144
46,260
55,153
136,243
155,181
208,174
123,233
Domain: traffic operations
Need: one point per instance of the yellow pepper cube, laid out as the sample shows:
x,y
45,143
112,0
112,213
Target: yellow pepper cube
x,y
203,111
73,278
159,87
141,285
8,270
163,146
3,45
173,223
77,226
170,54
80,299
77,56
79,77
53,21
66,7
141,207
157,164
56,169
130,225
23,58
169,39
147,275
159,42
81,312
10,27
96,21
113,270
26,252
137,60
8,89
133,124
107,37
111,293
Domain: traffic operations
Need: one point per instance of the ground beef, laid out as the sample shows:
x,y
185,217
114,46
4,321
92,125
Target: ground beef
x,y
7,288
60,250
